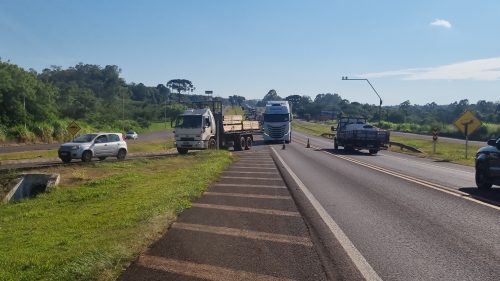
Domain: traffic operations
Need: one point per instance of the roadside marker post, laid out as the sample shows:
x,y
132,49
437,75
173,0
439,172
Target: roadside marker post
x,y
434,140
308,145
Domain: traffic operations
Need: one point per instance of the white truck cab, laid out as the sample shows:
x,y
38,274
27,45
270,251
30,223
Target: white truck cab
x,y
277,123
194,129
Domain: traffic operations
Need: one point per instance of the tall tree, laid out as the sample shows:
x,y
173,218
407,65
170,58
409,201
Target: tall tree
x,y
180,85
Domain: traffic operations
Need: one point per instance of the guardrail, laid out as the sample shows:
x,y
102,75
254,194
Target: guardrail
x,y
405,146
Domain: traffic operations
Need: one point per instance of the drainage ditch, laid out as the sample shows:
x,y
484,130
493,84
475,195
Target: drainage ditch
x,y
30,185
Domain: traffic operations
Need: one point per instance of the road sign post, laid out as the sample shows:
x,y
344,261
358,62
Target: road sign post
x,y
73,128
467,123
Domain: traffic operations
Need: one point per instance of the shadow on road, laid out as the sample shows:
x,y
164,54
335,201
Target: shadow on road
x,y
491,196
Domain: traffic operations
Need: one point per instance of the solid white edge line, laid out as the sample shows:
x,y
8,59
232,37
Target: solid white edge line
x,y
356,257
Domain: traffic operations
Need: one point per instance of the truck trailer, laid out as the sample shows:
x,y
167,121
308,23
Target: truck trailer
x,y
208,128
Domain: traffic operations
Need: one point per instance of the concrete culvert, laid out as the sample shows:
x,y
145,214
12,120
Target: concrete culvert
x,y
30,185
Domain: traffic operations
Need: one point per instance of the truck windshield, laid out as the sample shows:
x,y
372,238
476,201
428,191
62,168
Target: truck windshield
x,y
276,117
188,121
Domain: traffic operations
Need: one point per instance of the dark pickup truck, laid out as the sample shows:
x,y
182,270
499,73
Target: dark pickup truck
x,y
488,165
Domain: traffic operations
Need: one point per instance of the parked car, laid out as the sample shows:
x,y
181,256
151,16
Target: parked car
x,y
131,135
88,146
488,165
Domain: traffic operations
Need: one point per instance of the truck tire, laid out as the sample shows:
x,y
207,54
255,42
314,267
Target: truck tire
x,y
373,151
248,143
240,144
212,144
182,150
482,181
335,144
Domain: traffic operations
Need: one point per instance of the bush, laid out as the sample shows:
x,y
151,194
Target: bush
x,y
59,132
44,132
3,134
21,134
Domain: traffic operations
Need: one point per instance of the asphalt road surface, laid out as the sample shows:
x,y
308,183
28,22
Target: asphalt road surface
x,y
48,146
410,218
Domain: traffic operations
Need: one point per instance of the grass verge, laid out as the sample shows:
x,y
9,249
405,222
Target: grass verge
x,y
234,110
101,217
311,128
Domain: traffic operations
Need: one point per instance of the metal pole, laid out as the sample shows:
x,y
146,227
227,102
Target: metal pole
x,y
165,110
373,88
466,138
123,110
25,113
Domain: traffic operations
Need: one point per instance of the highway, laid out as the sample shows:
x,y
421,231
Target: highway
x,y
410,218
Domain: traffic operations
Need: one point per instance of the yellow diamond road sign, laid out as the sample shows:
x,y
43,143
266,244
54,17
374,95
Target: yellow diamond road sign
x,y
73,128
467,120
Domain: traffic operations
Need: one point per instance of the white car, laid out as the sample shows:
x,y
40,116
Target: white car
x,y
100,145
131,135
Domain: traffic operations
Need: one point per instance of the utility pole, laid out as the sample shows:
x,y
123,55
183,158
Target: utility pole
x,y
25,113
380,105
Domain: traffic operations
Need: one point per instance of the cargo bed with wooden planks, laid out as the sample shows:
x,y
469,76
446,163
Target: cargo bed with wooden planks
x,y
235,123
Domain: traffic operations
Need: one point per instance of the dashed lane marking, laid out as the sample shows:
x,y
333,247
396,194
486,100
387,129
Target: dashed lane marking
x,y
245,195
202,271
250,185
289,239
247,210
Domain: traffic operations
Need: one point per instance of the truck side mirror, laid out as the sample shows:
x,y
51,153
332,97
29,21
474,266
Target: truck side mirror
x,y
334,128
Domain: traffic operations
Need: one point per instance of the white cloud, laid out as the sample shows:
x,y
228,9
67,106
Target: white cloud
x,y
482,69
441,23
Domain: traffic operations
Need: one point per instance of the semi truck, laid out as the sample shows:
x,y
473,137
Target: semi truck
x,y
277,122
354,133
206,127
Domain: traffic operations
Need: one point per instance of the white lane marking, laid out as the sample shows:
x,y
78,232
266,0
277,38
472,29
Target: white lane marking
x,y
202,271
247,172
248,195
250,178
421,182
356,257
247,210
250,185
258,235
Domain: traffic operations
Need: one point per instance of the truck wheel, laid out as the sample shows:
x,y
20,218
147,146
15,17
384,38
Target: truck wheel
x,y
248,143
87,156
373,151
212,144
481,178
102,158
240,145
182,150
335,144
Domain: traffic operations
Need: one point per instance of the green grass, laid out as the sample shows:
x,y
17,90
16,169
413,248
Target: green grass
x,y
451,152
234,110
103,216
311,128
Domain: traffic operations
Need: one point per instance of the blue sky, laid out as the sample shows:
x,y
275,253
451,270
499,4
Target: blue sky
x,y
421,51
